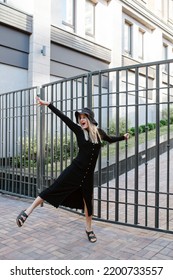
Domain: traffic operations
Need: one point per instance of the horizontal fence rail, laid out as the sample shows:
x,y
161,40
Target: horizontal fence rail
x,y
133,179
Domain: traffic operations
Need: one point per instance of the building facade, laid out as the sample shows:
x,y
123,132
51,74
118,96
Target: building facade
x,y
44,41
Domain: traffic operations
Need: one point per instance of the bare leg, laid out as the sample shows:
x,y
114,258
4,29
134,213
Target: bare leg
x,y
36,203
91,236
24,214
88,219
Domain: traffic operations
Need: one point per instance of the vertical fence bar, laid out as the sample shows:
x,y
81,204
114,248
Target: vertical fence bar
x,y
136,145
89,90
99,159
61,130
64,139
117,147
168,149
5,142
13,137
157,162
21,148
41,142
71,116
38,139
108,129
51,133
29,143
146,151
16,138
83,92
126,152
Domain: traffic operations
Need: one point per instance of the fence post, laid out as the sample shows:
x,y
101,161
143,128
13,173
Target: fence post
x,y
89,90
136,188
117,147
40,142
157,170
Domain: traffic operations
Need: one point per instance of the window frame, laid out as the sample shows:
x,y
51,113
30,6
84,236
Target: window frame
x,y
165,56
128,51
72,24
91,34
141,44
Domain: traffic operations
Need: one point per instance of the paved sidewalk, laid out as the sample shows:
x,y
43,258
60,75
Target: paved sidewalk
x,y
56,234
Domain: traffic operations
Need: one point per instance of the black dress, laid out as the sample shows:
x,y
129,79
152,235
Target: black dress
x,y
75,183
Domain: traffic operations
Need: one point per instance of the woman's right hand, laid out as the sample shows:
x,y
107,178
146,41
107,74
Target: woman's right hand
x,y
41,102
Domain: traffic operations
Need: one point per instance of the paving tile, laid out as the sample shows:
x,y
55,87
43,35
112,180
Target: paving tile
x,y
60,235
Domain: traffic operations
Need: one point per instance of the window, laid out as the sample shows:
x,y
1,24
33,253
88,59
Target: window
x,y
89,18
141,44
68,12
128,38
165,51
165,56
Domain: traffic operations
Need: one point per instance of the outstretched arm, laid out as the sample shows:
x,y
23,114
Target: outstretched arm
x,y
74,127
112,139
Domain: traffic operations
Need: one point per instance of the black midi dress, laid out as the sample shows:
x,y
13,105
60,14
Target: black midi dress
x,y
75,183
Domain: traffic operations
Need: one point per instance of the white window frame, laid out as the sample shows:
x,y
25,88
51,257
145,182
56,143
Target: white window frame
x,y
141,43
66,20
165,56
128,38
90,32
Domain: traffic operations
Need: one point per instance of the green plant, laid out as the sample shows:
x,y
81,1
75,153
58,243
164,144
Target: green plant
x,y
29,151
131,131
151,126
140,129
165,113
163,122
143,128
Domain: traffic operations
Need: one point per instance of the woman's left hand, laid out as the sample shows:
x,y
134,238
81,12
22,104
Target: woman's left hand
x,y
126,136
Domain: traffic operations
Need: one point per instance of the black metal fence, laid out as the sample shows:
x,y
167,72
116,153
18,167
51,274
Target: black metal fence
x,y
133,179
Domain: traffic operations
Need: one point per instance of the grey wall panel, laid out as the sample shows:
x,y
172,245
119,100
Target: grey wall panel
x,y
64,71
13,57
74,59
14,39
80,44
15,18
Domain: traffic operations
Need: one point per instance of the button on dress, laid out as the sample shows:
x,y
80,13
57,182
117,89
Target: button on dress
x,y
75,183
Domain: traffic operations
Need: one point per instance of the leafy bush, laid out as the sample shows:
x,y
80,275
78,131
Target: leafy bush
x,y
143,128
140,129
151,126
163,122
165,113
30,159
131,131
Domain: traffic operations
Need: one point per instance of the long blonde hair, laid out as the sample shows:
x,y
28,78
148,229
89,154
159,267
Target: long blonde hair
x,y
92,133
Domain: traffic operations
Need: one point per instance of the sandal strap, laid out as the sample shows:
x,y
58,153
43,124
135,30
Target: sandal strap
x,y
91,236
20,217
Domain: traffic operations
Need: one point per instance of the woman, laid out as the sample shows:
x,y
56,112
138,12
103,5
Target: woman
x,y
74,187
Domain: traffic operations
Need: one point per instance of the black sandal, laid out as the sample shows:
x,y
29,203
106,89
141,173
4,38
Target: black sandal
x,y
91,236
21,218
